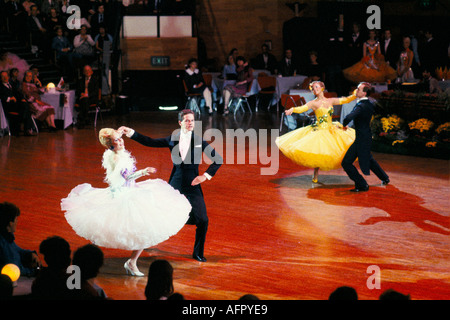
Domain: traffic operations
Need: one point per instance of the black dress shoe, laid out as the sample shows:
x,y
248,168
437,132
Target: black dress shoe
x,y
199,258
360,189
385,182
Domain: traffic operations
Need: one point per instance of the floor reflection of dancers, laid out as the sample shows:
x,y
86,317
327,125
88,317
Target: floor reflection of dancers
x,y
127,215
361,116
323,144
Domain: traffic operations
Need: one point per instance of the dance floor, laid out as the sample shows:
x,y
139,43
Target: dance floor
x,y
277,236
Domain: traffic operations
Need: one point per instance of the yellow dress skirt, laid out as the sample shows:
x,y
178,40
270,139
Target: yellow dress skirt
x,y
321,145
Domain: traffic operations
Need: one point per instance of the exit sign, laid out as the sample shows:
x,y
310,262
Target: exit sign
x,y
160,61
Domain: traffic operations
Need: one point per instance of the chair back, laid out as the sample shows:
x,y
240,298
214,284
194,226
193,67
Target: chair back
x,y
292,100
267,82
208,79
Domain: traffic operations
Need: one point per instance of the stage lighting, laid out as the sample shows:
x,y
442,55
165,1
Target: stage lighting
x,y
12,271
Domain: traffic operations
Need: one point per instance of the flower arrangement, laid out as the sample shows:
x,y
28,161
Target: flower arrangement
x,y
391,123
421,125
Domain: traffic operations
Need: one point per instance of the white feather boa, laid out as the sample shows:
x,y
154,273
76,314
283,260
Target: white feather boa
x,y
115,164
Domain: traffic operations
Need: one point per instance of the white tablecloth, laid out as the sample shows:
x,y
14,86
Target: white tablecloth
x,y
3,122
64,112
285,84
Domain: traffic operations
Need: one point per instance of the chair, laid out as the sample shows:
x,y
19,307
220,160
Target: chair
x,y
291,101
241,100
96,107
268,85
192,99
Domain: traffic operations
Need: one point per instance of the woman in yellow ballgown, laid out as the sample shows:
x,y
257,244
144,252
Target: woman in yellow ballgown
x,y
372,67
323,144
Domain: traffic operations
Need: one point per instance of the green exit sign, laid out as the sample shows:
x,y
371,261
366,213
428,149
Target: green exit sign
x,y
160,61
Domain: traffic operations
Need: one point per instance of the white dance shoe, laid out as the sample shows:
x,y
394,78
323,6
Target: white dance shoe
x,y
134,271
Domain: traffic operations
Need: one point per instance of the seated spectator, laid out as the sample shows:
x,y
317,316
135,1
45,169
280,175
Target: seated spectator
x,y
265,60
100,18
51,281
287,67
17,17
15,107
64,54
243,82
344,293
27,6
229,69
6,287
89,259
39,35
391,294
10,252
47,5
160,280
195,83
53,21
429,83
84,45
87,94
41,110
100,39
14,79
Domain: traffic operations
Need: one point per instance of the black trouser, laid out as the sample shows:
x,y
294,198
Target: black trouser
x,y
352,172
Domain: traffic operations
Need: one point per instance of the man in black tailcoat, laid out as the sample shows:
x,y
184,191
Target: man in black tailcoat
x,y
186,149
361,116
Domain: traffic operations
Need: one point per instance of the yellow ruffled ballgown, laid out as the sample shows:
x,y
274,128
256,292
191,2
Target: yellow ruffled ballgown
x,y
320,145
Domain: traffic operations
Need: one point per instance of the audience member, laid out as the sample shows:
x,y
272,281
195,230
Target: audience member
x,y
53,21
65,57
355,43
87,94
344,293
314,70
51,281
39,35
100,18
243,81
390,49
41,110
429,83
17,17
288,66
15,107
14,80
26,260
229,69
248,297
6,287
47,5
100,39
391,294
404,71
195,83
27,6
84,45
429,52
89,259
265,60
160,280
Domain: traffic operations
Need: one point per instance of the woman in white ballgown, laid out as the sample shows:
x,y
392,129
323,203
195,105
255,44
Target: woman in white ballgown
x,y
127,215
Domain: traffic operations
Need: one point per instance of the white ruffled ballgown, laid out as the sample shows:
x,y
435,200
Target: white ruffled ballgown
x,y
127,215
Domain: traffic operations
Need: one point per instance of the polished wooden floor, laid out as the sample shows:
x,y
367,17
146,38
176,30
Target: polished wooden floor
x,y
276,236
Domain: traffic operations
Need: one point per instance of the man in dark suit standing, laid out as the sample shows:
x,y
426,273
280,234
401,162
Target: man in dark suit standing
x,y
361,116
186,150
390,49
88,94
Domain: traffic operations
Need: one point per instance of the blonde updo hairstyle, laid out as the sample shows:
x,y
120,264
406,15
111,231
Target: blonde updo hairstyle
x,y
105,137
319,82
